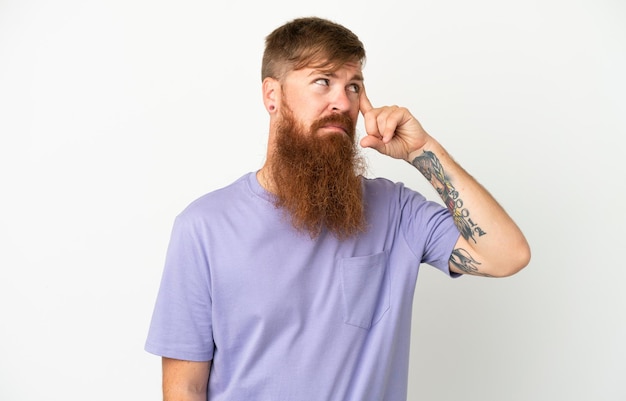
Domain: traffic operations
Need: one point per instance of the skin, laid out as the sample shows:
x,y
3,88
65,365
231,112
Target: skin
x,y
312,94
185,380
491,244
498,248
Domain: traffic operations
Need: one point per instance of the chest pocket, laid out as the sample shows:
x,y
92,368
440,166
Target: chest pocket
x,y
365,289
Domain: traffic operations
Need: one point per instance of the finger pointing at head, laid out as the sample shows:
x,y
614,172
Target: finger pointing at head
x,y
365,106
364,103
373,139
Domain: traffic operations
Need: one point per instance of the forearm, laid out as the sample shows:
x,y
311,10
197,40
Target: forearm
x,y
491,243
496,246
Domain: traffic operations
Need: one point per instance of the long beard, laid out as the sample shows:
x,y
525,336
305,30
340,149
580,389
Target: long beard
x,y
317,177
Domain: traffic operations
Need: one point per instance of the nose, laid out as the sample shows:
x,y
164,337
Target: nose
x,y
340,102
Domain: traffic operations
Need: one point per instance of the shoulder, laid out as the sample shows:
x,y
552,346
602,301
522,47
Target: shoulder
x,y
218,200
379,186
383,188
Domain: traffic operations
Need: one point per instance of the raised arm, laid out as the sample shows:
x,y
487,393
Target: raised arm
x,y
185,380
490,244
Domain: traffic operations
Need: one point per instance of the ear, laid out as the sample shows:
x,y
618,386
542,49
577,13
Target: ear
x,y
271,94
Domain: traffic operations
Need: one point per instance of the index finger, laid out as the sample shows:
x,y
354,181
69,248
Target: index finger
x,y
364,103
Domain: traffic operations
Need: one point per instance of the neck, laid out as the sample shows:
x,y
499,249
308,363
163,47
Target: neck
x,y
265,179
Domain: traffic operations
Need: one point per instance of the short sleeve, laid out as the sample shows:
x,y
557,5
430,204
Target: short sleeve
x,y
181,326
429,229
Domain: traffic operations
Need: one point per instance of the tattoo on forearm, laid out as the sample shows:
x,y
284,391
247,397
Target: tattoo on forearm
x,y
430,166
463,261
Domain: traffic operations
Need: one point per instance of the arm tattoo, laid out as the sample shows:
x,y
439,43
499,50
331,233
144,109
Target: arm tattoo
x,y
462,260
428,164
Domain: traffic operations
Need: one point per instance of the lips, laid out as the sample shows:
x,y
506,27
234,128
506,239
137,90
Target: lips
x,y
335,127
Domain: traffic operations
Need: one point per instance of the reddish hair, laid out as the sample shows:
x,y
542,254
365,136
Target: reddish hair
x,y
311,41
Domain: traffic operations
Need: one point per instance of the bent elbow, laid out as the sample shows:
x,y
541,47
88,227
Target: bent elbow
x,y
517,259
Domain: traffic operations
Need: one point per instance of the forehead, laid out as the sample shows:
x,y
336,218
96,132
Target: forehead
x,y
351,71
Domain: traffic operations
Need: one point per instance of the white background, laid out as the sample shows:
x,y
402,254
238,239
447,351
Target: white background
x,y
115,114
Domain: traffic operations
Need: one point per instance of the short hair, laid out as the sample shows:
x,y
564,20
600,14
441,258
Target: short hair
x,y
309,42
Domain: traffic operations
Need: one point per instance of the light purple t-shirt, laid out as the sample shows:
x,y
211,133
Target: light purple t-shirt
x,y
284,317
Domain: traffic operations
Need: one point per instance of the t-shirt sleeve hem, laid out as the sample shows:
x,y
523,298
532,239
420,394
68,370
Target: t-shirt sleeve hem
x,y
444,265
178,354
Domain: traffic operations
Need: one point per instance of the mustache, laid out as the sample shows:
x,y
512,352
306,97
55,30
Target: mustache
x,y
341,120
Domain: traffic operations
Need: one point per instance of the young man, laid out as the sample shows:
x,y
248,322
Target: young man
x,y
296,282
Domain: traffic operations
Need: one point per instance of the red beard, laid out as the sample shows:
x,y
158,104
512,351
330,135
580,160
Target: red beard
x,y
317,178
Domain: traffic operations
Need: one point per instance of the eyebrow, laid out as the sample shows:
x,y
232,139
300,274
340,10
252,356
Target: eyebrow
x,y
332,74
357,77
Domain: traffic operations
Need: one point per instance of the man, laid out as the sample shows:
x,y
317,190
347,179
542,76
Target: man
x,y
296,282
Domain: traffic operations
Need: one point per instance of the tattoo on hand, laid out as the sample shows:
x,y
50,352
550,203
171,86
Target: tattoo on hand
x,y
462,260
430,166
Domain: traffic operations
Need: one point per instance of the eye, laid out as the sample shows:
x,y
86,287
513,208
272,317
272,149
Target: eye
x,y
354,88
323,81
